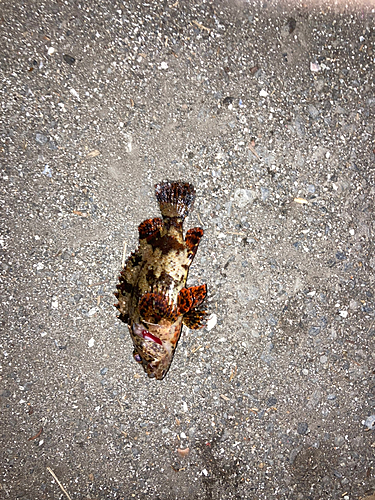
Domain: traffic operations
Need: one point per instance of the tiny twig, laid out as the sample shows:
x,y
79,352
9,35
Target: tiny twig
x,y
36,435
200,26
58,482
253,151
123,256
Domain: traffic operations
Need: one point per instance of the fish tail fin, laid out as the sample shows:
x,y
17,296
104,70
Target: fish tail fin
x,y
175,199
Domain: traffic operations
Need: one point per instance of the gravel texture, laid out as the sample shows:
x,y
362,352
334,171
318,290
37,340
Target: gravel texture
x,y
269,111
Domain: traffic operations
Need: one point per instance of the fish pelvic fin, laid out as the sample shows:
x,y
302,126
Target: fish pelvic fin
x,y
175,198
195,319
190,298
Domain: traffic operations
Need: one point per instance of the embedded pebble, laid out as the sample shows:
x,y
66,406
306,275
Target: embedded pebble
x,y
243,197
41,139
370,422
302,428
69,59
211,322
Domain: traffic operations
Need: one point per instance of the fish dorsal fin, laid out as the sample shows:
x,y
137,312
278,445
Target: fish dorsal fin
x,y
127,279
149,228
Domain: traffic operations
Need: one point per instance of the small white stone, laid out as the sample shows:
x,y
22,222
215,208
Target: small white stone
x,y
314,67
323,359
164,65
305,371
74,93
184,406
39,266
183,435
212,321
92,311
37,237
41,442
55,303
204,471
43,334
351,232
222,339
343,314
91,342
51,50
263,93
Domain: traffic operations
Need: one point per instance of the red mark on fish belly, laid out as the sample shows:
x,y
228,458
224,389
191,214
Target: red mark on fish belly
x,y
148,336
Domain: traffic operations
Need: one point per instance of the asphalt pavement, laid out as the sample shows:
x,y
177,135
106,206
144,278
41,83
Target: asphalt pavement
x,y
268,109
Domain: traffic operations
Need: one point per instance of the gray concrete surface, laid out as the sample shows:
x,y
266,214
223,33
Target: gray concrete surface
x,y
268,109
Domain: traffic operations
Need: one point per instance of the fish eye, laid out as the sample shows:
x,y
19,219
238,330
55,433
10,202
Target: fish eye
x,y
137,357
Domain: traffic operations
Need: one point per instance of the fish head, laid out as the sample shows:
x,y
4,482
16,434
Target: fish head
x,y
154,352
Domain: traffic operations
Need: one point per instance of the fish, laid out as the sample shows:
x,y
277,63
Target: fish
x,y
153,299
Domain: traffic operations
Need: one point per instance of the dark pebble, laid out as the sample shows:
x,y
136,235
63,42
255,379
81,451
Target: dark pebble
x,y
228,100
302,428
340,256
314,331
103,371
271,402
291,23
69,59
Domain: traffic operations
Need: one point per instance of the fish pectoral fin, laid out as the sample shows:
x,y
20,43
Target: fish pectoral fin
x,y
153,307
195,319
127,279
149,228
192,239
191,297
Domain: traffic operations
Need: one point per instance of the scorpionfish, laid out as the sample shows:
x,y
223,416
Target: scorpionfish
x,y
152,295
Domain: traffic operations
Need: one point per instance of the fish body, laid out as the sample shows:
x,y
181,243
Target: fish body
x,y
152,297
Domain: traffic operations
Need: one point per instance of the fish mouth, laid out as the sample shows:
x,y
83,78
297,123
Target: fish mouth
x,y
150,352
154,369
